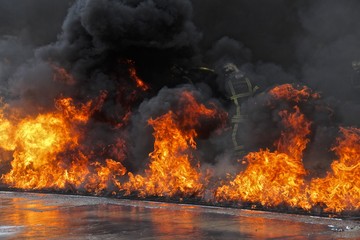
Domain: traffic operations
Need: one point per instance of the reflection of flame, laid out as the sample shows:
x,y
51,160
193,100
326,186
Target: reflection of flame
x,y
23,214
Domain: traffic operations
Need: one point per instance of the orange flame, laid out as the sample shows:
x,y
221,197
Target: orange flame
x,y
170,171
105,176
6,132
81,113
273,178
133,74
291,93
70,111
46,154
38,141
340,189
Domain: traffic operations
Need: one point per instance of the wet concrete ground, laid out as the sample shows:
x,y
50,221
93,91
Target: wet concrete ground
x,y
52,216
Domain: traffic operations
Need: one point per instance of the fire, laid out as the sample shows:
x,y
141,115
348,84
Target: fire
x,y
134,76
6,132
106,176
38,141
46,151
273,178
170,171
340,189
70,111
79,113
291,93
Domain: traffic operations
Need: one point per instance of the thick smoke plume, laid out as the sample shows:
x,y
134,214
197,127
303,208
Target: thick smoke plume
x,y
95,42
305,42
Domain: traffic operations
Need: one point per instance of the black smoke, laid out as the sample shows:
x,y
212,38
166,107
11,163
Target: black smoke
x,y
273,42
309,43
97,44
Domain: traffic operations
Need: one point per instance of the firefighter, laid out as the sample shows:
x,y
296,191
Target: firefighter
x,y
239,89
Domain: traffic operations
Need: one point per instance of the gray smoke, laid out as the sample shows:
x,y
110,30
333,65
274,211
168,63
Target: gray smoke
x,y
326,49
22,30
315,41
328,46
36,22
309,43
96,42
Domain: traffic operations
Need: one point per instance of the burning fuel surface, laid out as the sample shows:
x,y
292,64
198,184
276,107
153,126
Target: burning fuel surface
x,y
119,103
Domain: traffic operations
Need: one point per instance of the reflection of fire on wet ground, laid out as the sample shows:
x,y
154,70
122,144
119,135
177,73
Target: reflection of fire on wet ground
x,y
6,231
31,215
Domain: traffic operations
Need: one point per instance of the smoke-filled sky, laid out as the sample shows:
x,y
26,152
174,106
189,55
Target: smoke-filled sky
x,y
314,41
307,42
